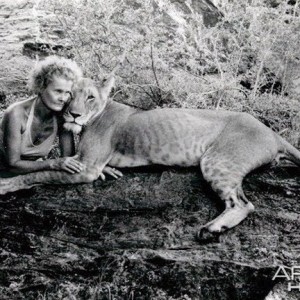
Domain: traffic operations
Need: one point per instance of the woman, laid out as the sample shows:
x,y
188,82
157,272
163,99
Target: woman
x,y
29,127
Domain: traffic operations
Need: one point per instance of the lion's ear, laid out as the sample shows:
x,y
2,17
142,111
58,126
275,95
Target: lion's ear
x,y
107,87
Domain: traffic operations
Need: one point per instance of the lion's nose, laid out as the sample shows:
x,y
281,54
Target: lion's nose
x,y
75,115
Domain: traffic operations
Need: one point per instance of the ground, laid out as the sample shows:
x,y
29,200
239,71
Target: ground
x,y
133,238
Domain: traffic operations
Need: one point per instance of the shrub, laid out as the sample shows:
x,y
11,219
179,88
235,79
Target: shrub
x,y
174,60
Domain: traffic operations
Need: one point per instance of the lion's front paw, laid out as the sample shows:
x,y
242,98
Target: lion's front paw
x,y
112,172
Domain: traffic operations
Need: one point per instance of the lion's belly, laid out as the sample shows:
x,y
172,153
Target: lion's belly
x,y
122,161
186,152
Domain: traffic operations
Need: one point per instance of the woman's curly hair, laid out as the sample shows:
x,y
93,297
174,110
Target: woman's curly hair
x,y
43,72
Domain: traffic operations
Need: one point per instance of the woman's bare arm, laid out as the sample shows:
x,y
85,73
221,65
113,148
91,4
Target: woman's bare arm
x,y
12,125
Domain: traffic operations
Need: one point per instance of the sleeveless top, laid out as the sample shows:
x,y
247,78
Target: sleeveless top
x,y
28,149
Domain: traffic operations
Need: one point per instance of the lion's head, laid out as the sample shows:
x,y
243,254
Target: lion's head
x,y
88,101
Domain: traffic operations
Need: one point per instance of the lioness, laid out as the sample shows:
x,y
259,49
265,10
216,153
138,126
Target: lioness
x,y
226,146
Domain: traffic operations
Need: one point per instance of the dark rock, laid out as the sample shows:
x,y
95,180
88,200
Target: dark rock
x,y
210,13
135,236
2,96
42,49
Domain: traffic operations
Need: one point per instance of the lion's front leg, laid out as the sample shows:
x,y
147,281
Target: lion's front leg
x,y
46,177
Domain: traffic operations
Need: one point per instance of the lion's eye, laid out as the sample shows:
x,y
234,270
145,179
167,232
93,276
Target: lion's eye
x,y
90,97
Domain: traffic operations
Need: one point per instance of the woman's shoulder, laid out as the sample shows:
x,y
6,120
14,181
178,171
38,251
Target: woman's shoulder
x,y
18,110
20,106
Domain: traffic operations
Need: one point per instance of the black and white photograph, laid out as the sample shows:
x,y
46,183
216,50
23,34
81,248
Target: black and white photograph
x,y
150,149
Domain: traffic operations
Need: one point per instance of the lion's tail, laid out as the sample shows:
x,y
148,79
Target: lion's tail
x,y
27,181
291,152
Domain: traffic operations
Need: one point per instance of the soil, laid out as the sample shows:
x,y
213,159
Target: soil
x,y
133,238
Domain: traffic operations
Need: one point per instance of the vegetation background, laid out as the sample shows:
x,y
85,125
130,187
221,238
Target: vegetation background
x,y
240,55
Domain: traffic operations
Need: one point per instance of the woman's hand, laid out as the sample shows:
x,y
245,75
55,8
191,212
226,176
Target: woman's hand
x,y
112,172
68,164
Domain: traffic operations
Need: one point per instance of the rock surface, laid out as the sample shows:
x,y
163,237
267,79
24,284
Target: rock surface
x,y
134,237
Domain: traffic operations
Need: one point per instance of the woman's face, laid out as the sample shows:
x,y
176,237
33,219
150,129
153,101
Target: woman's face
x,y
57,93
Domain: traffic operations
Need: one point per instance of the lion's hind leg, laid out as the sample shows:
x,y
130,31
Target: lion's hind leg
x,y
225,179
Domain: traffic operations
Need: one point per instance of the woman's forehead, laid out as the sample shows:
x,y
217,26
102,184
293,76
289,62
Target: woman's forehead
x,y
58,80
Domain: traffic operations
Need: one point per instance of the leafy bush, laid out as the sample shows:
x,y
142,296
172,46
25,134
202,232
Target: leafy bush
x,y
174,60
